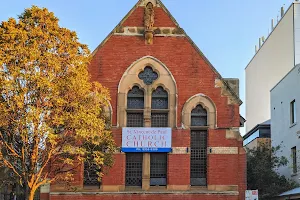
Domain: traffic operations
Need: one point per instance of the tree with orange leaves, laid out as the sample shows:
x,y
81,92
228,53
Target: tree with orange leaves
x,y
51,113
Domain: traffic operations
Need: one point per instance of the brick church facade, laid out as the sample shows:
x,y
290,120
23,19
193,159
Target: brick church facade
x,y
160,81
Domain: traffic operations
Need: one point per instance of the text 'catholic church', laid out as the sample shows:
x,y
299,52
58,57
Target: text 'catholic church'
x,y
174,118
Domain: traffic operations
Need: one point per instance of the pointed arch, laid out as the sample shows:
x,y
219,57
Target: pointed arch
x,y
206,103
131,78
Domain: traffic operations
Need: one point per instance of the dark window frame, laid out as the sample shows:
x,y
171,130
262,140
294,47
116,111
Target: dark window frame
x,y
135,107
159,107
294,159
199,137
158,169
90,176
293,112
134,170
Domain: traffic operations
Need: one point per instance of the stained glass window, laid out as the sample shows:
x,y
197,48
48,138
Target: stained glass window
x,y
199,116
148,75
135,106
159,106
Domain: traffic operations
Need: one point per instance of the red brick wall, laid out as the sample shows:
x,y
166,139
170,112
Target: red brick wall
x,y
242,173
44,196
116,174
180,138
147,197
192,74
161,19
217,138
222,169
178,169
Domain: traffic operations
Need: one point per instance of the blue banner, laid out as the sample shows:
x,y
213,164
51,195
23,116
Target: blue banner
x,y
145,150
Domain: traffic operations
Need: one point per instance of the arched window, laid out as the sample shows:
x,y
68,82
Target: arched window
x,y
135,107
199,116
159,118
159,108
198,146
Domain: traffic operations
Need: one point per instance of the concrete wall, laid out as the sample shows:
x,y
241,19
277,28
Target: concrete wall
x,y
273,61
297,32
282,131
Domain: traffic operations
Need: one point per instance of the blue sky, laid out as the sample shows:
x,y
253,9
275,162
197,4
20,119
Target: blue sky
x,y
225,31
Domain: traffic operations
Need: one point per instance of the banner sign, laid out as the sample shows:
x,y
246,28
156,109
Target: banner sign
x,y
251,194
146,139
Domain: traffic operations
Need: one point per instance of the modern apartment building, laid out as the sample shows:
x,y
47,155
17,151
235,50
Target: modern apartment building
x,y
285,113
275,57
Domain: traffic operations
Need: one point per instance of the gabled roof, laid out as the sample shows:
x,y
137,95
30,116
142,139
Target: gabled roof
x,y
159,2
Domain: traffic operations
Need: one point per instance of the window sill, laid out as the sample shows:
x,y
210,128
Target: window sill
x,y
133,188
294,124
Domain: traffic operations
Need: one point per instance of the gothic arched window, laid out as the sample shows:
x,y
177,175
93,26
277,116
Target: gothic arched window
x,y
198,173
135,107
159,108
199,116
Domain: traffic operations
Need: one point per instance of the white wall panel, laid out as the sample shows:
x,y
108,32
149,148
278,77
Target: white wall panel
x,y
271,63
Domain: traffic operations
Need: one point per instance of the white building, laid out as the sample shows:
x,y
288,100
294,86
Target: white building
x,y
278,54
285,126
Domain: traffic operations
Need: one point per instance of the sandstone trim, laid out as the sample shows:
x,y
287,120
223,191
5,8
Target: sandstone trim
x,y
222,150
205,192
223,187
225,92
234,134
130,78
204,101
180,150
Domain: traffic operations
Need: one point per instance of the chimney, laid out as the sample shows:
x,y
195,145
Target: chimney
x,y
256,49
282,11
263,39
272,25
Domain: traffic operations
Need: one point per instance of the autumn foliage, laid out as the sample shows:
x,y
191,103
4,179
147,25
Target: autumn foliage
x,y
51,113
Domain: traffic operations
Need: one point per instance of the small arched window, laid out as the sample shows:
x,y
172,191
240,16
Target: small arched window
x,y
159,108
135,107
199,116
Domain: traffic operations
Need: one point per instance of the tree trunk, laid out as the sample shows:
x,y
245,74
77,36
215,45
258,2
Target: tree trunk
x,y
26,192
31,195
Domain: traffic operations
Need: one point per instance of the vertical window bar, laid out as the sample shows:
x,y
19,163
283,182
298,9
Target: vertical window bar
x,y
198,158
158,169
135,119
134,169
159,119
90,175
